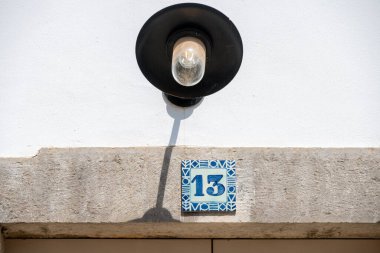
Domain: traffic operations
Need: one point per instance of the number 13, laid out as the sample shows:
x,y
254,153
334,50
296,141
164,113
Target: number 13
x,y
198,179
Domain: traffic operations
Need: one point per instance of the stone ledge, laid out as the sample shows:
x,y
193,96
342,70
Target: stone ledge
x,y
310,190
192,230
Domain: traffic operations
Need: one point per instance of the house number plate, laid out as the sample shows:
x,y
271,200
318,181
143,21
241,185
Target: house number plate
x,y
208,185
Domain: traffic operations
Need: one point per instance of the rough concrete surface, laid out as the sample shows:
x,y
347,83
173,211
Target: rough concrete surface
x,y
135,192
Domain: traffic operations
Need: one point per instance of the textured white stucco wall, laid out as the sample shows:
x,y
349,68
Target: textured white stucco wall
x,y
310,77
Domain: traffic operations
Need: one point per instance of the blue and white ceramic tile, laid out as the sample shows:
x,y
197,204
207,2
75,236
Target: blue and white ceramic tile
x,y
208,185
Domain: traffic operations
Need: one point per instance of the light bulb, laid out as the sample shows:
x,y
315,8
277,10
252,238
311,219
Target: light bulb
x,y
188,61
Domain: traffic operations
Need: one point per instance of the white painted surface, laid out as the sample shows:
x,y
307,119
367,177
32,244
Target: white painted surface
x,y
68,77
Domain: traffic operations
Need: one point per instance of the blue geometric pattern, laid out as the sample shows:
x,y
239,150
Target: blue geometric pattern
x,y
229,205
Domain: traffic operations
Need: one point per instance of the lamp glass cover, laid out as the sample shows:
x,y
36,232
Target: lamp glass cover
x,y
188,61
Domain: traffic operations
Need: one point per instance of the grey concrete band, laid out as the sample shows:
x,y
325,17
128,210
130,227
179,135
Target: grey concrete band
x,y
124,192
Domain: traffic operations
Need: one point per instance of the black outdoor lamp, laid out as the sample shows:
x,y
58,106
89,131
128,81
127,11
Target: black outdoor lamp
x,y
189,51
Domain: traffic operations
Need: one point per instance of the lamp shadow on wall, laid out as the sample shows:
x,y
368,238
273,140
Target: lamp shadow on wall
x,y
159,213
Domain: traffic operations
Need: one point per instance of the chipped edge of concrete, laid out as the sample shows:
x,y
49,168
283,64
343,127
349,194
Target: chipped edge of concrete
x,y
48,150
190,230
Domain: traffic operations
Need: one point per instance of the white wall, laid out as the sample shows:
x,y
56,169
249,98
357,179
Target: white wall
x,y
310,77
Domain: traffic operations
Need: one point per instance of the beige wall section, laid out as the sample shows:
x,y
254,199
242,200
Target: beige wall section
x,y
2,246
296,246
119,192
191,246
108,245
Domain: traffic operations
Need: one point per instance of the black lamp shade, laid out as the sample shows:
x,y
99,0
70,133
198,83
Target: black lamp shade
x,y
224,48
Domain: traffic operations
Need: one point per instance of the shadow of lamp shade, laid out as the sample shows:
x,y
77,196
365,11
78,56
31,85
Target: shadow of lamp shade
x,y
189,51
